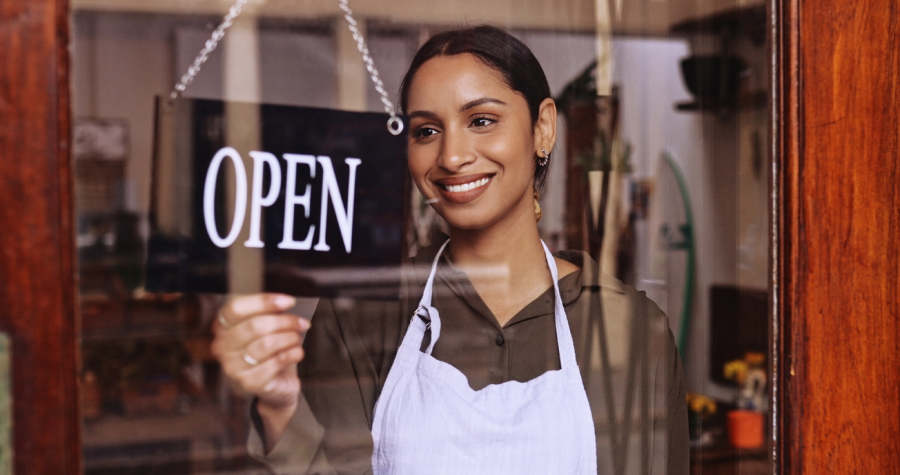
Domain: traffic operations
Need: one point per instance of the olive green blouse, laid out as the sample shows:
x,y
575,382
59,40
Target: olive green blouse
x,y
623,345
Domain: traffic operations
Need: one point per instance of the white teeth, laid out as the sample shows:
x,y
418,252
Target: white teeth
x,y
468,186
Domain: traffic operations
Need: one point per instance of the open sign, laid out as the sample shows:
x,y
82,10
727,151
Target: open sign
x,y
261,160
315,196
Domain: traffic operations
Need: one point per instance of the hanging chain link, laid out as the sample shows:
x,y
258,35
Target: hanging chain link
x,y
395,124
208,48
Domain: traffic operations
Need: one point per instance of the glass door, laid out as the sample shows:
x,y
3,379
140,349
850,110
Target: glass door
x,y
660,173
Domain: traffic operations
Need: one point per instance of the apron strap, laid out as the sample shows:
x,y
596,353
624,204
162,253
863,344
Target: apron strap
x,y
426,311
564,340
429,285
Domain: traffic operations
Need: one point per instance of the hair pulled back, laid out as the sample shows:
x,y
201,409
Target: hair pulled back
x,y
500,51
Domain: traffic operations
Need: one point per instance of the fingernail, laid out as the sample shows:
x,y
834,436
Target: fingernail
x,y
284,301
304,324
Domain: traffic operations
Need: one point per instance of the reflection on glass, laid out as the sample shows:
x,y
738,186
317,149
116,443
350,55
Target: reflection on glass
x,y
658,174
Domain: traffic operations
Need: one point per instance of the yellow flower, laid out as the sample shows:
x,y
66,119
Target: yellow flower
x,y
736,371
701,404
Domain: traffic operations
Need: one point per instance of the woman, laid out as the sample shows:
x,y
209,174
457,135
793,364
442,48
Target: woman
x,y
496,371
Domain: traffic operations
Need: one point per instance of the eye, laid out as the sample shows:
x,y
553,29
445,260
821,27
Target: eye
x,y
482,121
424,132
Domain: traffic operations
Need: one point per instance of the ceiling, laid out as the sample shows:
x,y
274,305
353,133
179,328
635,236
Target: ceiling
x,y
627,17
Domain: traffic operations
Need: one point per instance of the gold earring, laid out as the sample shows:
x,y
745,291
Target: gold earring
x,y
538,213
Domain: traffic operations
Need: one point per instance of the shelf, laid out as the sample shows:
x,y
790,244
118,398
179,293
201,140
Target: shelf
x,y
200,421
749,21
144,334
105,317
756,99
203,439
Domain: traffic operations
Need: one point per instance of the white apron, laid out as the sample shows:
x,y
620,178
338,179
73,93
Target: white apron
x,y
428,420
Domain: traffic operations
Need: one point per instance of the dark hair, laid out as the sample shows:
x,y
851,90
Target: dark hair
x,y
500,51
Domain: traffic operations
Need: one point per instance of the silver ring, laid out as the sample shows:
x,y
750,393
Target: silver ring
x,y
395,125
250,360
223,322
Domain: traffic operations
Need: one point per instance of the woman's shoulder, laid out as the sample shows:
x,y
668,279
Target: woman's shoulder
x,y
589,273
615,292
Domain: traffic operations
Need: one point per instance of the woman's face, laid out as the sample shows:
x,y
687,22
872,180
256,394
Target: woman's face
x,y
471,143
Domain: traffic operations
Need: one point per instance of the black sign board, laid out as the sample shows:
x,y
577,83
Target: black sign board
x,y
310,200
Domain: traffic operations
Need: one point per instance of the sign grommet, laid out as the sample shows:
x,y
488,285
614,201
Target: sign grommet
x,y
395,125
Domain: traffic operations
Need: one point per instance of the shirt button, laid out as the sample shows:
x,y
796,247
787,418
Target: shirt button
x,y
500,339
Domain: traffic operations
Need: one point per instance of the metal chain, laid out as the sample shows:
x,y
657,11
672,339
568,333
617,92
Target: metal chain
x,y
211,44
395,125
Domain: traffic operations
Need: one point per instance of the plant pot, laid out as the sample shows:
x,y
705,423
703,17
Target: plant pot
x,y
746,429
712,78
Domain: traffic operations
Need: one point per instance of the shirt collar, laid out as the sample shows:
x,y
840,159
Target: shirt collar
x,y
589,270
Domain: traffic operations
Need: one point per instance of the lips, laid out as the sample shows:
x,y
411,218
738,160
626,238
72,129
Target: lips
x,y
459,190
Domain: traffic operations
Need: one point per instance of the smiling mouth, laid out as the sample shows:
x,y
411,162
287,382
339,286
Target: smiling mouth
x,y
467,186
464,189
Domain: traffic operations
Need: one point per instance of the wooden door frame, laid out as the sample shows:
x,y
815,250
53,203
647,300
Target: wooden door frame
x,y
836,290
37,266
784,110
836,225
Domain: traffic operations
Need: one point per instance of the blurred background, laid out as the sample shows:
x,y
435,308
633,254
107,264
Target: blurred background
x,y
661,172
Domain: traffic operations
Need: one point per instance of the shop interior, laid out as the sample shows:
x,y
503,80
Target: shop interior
x,y
663,178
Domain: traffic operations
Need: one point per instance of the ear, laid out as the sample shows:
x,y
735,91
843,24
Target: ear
x,y
545,127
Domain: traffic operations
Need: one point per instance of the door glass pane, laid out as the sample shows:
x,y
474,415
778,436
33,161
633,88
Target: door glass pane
x,y
659,171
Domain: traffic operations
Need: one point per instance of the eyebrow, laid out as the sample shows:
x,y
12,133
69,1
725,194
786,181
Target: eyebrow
x,y
465,107
478,102
428,114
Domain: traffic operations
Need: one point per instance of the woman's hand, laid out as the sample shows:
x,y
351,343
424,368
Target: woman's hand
x,y
259,347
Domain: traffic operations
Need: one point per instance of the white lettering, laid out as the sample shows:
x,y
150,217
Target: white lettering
x,y
209,196
291,200
257,201
344,215
330,192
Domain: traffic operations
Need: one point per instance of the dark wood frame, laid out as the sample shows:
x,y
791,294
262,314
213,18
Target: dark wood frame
x,y
836,225
37,267
836,222
783,142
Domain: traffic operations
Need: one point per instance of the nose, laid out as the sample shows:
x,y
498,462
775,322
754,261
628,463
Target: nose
x,y
456,151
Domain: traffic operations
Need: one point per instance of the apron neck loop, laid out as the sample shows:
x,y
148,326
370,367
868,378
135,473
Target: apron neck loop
x,y
564,338
429,285
425,309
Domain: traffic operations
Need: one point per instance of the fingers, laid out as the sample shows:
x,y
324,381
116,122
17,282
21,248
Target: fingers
x,y
257,340
246,306
237,366
275,379
254,328
278,350
259,347
269,346
260,338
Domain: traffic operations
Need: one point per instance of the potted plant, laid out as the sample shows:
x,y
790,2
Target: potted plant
x,y
700,409
746,423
